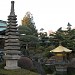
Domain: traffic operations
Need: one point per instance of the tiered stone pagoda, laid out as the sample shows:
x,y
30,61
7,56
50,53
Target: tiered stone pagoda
x,y
12,45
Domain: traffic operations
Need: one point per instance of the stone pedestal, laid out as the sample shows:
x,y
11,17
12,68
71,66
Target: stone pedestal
x,y
11,60
61,69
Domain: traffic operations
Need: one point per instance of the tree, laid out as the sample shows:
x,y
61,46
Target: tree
x,y
66,37
28,21
28,32
43,38
69,26
56,37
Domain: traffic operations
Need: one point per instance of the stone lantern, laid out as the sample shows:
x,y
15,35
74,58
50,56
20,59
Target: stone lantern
x,y
61,61
12,45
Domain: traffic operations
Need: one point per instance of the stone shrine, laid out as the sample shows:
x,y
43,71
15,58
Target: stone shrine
x,y
12,44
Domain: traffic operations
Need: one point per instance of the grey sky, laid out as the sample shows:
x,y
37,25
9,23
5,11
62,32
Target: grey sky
x,y
47,14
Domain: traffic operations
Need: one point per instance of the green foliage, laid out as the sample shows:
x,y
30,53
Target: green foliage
x,y
2,65
48,54
40,51
29,23
69,26
46,51
28,38
66,37
17,72
24,29
49,48
28,34
43,39
49,69
71,71
41,48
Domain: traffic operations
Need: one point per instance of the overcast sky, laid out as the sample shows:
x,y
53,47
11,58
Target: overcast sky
x,y
47,14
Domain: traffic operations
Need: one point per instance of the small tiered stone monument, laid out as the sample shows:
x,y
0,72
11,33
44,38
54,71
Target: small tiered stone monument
x,y
12,45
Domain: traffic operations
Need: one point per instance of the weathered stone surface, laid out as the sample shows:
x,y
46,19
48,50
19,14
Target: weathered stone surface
x,y
12,37
10,18
13,27
61,68
12,33
12,47
11,30
13,52
12,44
12,21
11,64
1,36
12,24
12,41
13,57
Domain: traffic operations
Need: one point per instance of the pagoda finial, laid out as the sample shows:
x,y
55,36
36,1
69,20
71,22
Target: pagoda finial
x,y
12,13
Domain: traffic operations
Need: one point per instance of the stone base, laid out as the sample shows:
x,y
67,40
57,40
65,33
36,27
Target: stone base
x,y
61,73
11,68
61,68
11,64
11,58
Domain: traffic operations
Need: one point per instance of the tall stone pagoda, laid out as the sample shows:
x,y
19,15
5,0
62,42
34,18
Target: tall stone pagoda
x,y
12,45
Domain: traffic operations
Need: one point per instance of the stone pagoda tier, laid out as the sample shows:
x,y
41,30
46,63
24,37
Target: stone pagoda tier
x,y
12,41
12,35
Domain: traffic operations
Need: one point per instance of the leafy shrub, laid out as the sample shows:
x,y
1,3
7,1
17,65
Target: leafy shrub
x,y
48,54
70,71
40,49
49,69
49,48
25,62
2,65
